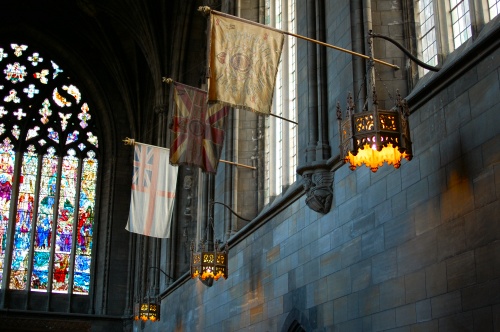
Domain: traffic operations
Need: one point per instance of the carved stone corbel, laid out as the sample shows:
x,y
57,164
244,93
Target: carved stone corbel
x,y
318,185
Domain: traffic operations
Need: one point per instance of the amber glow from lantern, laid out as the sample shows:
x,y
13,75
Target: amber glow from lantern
x,y
373,159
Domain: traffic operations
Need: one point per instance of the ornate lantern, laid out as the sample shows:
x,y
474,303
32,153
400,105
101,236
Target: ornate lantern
x,y
149,306
208,265
149,311
374,136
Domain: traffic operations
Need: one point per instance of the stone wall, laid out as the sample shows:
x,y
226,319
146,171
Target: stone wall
x,y
407,249
415,248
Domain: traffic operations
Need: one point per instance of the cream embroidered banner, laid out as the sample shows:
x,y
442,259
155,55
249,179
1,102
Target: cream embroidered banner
x,y
244,62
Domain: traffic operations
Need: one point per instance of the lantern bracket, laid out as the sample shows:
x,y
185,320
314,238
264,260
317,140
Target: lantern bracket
x,y
212,203
166,275
372,34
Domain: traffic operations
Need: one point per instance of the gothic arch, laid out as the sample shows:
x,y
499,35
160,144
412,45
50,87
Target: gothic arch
x,y
296,321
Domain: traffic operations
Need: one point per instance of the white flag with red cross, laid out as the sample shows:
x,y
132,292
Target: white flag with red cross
x,y
153,192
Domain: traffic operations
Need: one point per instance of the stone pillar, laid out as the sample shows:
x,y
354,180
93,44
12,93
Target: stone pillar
x,y
318,178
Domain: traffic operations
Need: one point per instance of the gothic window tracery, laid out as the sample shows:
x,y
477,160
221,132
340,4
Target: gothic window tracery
x,y
48,173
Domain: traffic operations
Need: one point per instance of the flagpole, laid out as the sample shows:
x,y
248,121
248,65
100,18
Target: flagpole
x,y
236,164
131,141
170,81
206,9
282,118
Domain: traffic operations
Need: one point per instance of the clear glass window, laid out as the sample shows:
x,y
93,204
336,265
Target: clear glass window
x,y
494,8
460,21
281,136
428,32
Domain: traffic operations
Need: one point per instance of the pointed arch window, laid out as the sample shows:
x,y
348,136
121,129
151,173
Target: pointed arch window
x,y
48,151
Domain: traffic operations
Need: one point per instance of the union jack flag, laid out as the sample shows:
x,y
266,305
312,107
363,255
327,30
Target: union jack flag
x,y
198,129
153,192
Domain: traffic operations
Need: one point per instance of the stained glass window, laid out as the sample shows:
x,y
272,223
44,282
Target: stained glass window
x,y
48,173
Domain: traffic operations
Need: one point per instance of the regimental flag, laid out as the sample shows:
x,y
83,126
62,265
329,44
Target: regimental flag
x,y
198,129
153,192
244,62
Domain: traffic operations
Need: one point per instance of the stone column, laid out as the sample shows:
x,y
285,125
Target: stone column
x,y
318,178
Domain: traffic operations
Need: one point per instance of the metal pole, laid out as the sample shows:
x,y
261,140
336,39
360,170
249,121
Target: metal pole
x,y
206,9
131,141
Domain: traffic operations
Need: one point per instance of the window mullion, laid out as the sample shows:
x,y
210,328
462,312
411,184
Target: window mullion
x,y
478,15
443,29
